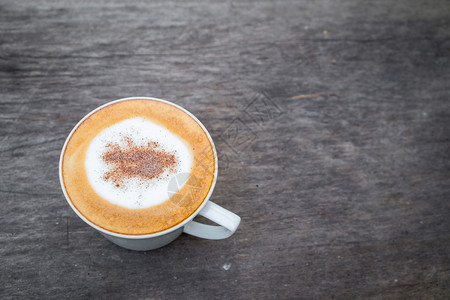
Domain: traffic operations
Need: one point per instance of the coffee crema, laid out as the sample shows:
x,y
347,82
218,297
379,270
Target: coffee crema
x,y
120,162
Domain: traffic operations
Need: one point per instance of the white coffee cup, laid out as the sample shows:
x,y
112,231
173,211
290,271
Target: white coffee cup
x,y
227,220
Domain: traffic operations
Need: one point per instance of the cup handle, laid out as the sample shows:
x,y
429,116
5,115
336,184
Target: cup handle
x,y
227,220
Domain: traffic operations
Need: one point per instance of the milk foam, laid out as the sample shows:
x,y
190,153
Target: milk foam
x,y
135,193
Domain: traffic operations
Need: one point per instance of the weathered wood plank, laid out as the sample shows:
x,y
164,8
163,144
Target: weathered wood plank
x,y
331,119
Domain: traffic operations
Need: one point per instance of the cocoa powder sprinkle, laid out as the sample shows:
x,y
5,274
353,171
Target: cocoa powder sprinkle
x,y
145,162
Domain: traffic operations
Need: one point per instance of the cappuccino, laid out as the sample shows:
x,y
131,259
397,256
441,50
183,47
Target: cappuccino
x,y
120,160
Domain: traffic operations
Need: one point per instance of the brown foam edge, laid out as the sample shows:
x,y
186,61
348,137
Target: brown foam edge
x,y
117,219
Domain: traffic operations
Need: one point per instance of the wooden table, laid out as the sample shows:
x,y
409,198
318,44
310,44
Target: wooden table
x,y
332,124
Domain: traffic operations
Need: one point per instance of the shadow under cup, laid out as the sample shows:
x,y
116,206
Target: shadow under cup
x,y
227,221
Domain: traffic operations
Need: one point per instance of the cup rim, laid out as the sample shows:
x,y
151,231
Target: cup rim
x,y
138,236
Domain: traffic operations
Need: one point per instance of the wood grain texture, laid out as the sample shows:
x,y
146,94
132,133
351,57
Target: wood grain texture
x,y
331,120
